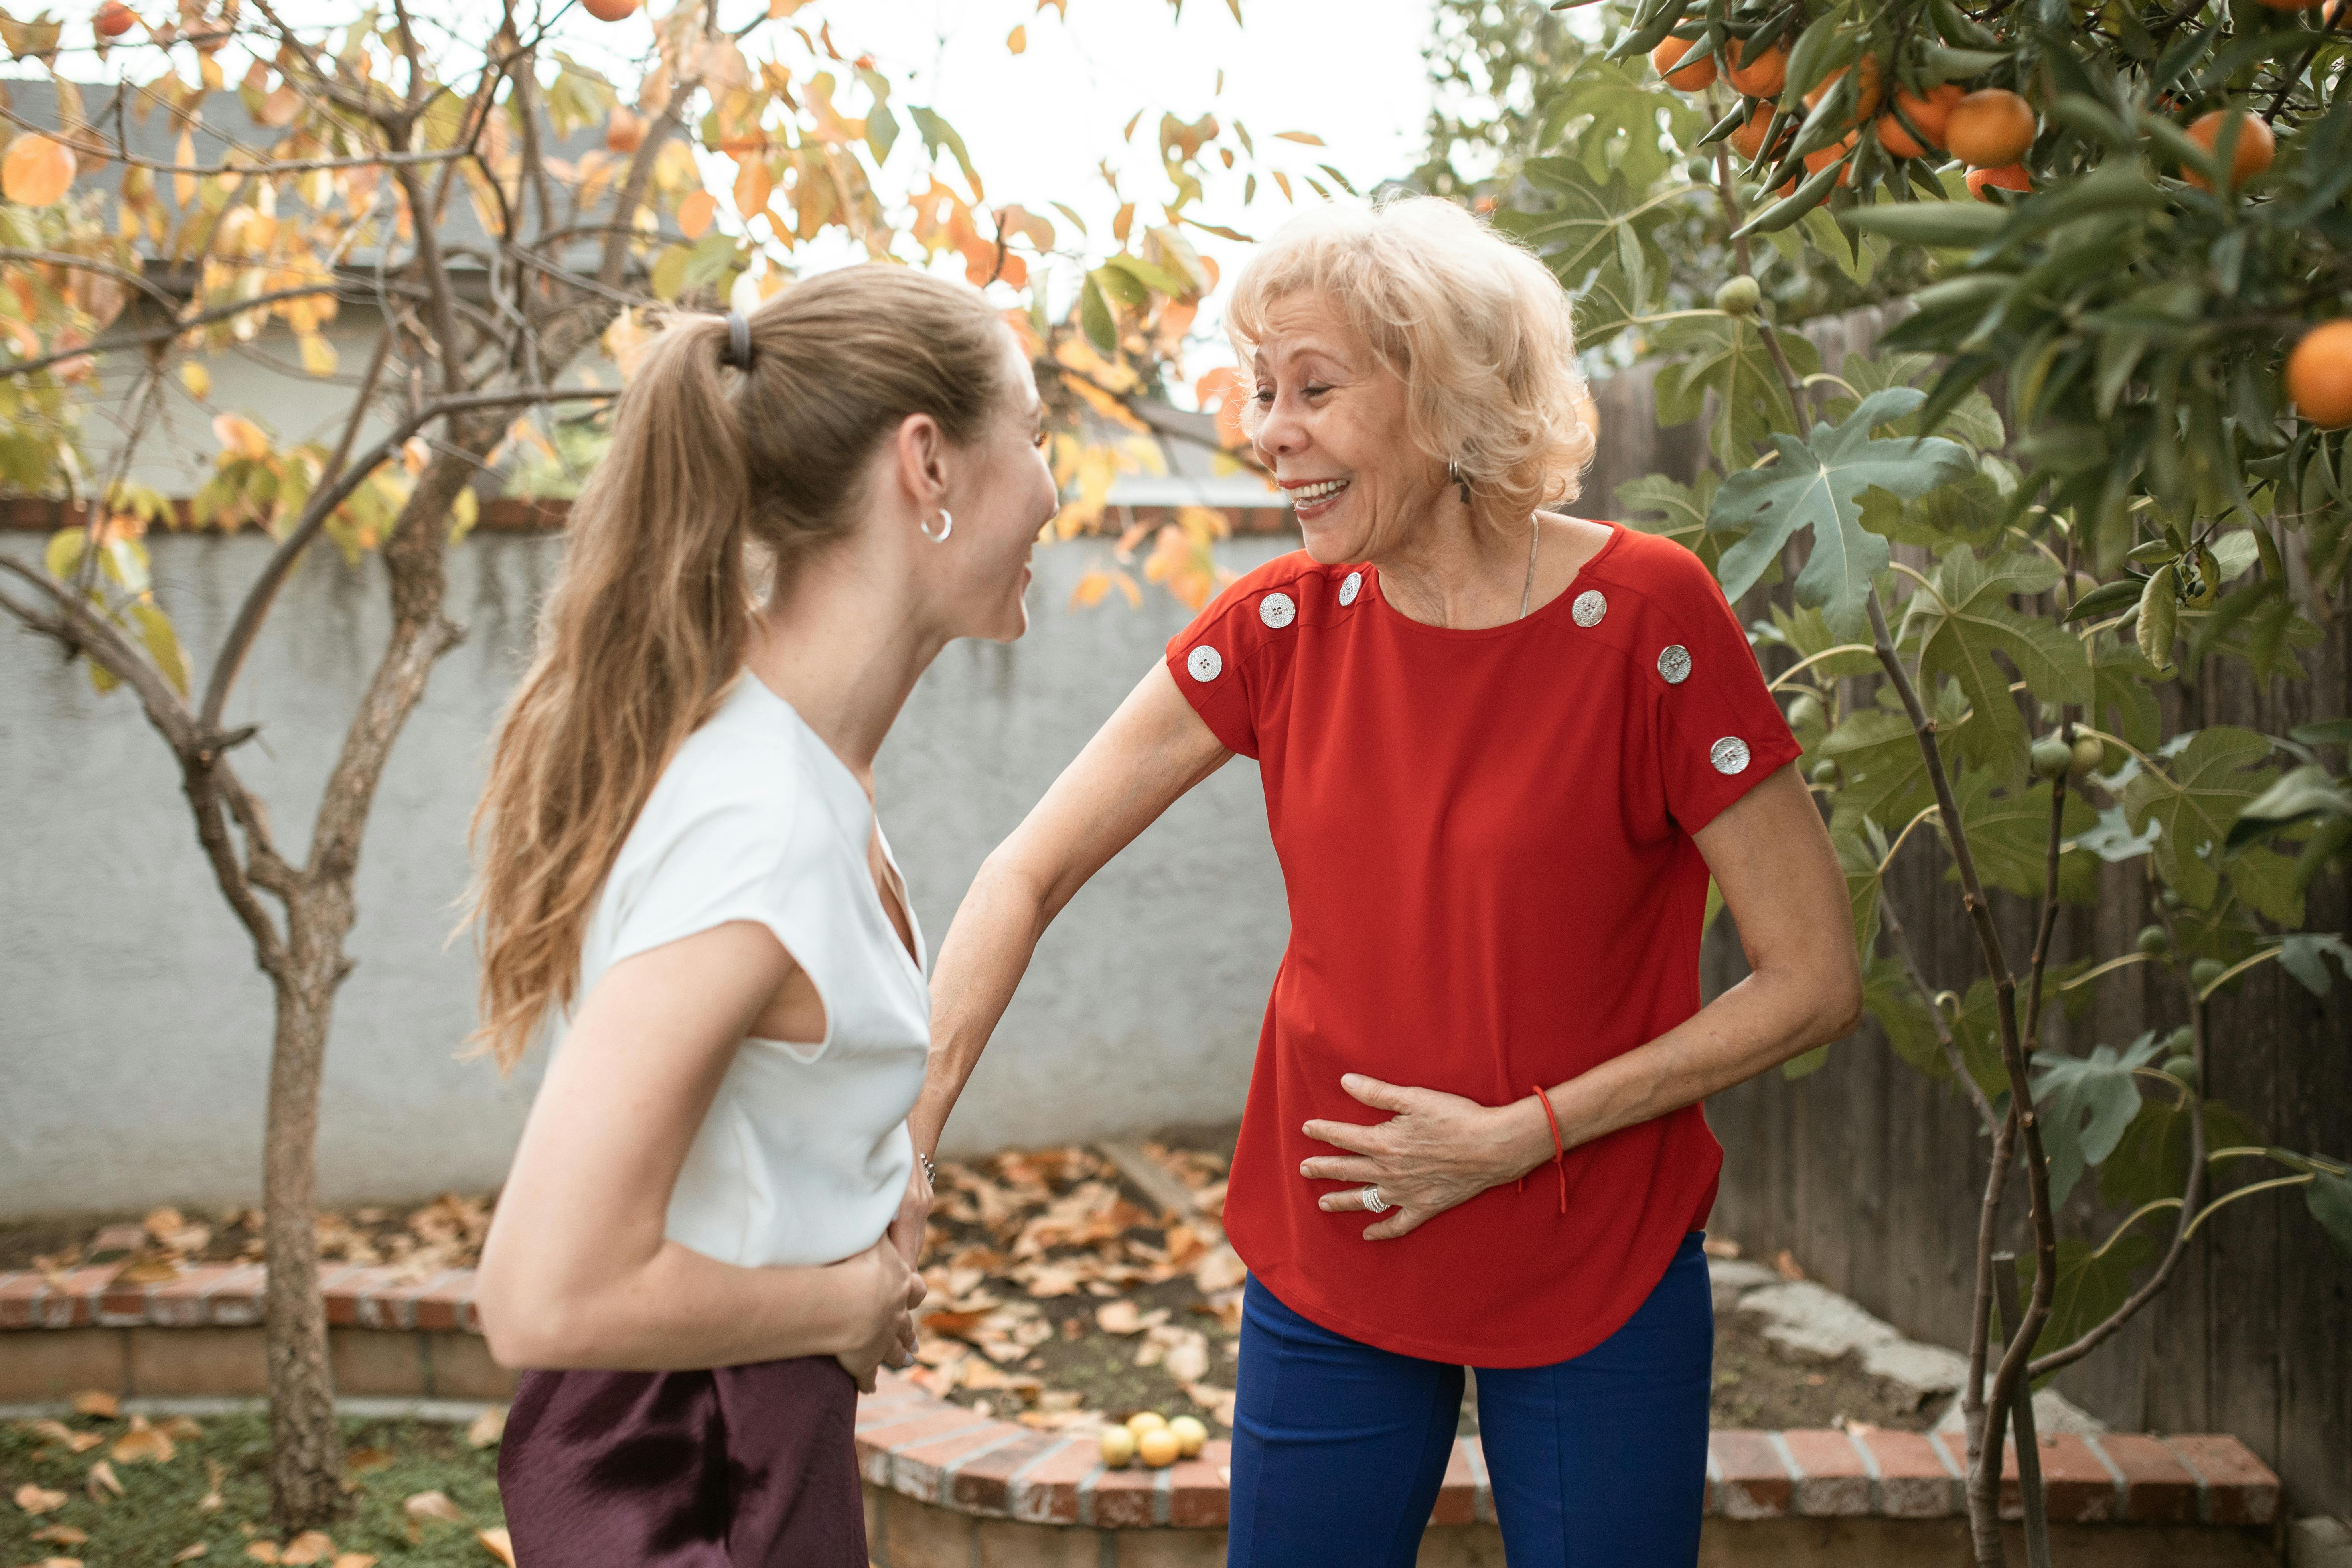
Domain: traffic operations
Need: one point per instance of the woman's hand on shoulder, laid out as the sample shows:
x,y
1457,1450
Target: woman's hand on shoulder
x,y
1435,1152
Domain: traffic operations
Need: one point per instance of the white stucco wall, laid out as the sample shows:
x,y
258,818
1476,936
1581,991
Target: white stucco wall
x,y
134,1030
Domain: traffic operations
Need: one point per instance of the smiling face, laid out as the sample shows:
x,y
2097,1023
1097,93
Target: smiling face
x,y
1000,494
1331,425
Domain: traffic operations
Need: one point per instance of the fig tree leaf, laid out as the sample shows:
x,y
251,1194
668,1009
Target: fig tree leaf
x,y
2196,799
2084,1106
1818,484
2089,1286
2300,956
1726,356
1597,238
1960,623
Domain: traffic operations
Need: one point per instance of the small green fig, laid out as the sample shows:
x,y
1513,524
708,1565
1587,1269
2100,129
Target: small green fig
x,y
1738,296
2153,942
2052,758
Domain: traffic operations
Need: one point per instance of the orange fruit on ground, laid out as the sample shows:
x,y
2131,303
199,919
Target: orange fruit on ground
x,y
2009,177
1821,158
1989,129
1749,140
1866,89
2319,375
626,131
113,19
1159,1447
1932,114
1692,77
2255,145
35,172
609,10
1762,78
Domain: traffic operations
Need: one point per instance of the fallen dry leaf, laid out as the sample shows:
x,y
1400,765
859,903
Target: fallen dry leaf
x,y
56,1562
306,1548
359,1461
1218,1402
356,1560
97,1402
488,1427
38,1499
61,1534
1784,1263
148,1268
262,1551
142,1443
210,1501
181,1429
1189,1361
499,1544
101,1475
51,1430
433,1505
1719,1246
1120,1318
189,1554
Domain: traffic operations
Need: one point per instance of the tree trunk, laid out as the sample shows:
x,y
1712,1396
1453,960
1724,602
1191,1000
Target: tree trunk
x,y
306,1449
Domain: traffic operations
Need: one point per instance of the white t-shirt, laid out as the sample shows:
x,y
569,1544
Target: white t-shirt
x,y
804,1154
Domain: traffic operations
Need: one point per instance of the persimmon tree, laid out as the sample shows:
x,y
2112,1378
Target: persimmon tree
x,y
741,141
2111,434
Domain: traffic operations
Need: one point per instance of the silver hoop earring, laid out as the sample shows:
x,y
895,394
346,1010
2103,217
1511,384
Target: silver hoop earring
x,y
947,526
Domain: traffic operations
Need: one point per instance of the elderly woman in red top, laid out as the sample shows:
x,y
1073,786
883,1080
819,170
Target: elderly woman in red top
x,y
1503,750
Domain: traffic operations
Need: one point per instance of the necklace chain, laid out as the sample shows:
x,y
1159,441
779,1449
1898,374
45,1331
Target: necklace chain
x,y
1527,593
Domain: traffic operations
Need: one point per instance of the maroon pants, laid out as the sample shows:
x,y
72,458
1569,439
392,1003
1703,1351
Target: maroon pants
x,y
741,1467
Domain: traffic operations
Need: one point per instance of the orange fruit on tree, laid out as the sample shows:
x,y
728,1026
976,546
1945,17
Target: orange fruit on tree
x,y
610,10
1692,77
35,172
1866,87
1749,140
1990,128
1763,77
2319,375
1932,114
1821,158
113,19
2009,177
2252,155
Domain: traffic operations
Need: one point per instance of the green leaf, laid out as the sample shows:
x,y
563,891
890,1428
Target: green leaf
x,y
2308,791
1807,1065
2300,956
1959,623
63,555
1885,772
2008,835
1951,224
1726,356
881,131
1818,484
2195,805
1805,634
1594,235
2159,615
2329,1198
2122,702
2085,1104
1903,1016
162,644
1858,857
1656,504
936,134
2087,1288
1094,317
2152,1160
2112,842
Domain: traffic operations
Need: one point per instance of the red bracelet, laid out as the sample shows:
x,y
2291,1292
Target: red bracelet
x,y
1559,1150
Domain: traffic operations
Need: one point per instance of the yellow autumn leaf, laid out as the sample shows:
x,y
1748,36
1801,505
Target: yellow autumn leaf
x,y
1089,591
183,186
318,353
1016,40
499,1544
38,1499
195,378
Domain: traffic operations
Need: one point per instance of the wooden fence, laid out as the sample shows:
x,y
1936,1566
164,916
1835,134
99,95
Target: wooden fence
x,y
1868,1172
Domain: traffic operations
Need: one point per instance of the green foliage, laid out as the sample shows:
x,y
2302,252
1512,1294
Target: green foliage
x,y
2086,1104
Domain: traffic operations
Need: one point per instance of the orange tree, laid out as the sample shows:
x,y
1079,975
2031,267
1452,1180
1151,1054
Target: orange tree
x,y
738,141
2133,221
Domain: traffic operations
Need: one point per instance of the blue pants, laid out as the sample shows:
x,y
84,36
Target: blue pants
x,y
1596,1462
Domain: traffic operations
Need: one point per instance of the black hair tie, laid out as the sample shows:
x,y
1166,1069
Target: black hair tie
x,y
739,342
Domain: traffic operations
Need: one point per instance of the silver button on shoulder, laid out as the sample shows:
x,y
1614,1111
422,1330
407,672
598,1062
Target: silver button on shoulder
x,y
1205,663
1589,606
1278,610
1351,587
1675,663
1730,754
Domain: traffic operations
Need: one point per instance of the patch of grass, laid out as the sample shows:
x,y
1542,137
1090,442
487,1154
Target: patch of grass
x,y
160,1514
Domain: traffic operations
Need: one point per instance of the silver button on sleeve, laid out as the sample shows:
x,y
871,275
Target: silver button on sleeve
x,y
1278,610
1589,606
1205,663
1351,587
1730,754
1675,663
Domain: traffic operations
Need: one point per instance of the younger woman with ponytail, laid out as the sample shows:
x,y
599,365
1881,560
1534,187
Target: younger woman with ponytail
x,y
712,1218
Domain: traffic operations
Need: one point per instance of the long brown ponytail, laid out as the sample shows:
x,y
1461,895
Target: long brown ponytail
x,y
647,626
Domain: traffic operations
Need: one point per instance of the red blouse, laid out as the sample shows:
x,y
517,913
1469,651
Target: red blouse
x,y
1486,839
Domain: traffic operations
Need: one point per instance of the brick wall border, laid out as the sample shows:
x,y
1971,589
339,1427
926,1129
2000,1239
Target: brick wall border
x,y
391,1334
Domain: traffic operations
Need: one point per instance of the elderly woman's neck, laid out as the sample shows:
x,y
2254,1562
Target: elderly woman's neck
x,y
1461,570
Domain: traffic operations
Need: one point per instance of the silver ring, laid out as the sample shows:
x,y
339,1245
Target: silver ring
x,y
1373,1202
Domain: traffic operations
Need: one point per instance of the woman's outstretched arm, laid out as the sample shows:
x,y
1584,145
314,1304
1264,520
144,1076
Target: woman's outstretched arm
x,y
1148,752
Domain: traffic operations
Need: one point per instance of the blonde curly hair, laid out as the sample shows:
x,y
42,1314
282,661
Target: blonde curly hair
x,y
1478,330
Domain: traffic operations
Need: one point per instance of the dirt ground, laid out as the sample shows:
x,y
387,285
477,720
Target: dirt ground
x,y
1061,1293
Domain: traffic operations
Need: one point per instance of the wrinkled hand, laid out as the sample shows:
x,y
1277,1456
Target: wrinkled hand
x,y
1437,1151
889,1293
906,1231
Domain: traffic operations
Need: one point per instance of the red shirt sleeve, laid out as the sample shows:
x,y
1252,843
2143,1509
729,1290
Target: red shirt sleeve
x,y
1220,661
1721,731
